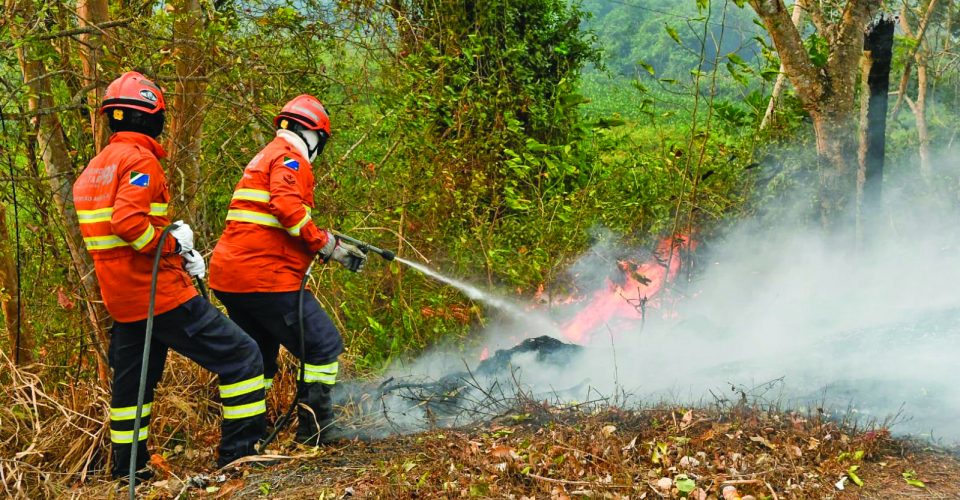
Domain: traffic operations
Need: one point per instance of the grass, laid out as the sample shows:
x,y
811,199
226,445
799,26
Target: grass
x,y
55,439
54,443
617,97
540,451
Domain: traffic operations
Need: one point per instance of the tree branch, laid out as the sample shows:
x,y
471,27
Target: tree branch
x,y
849,40
915,54
816,15
921,37
797,18
93,28
786,38
846,51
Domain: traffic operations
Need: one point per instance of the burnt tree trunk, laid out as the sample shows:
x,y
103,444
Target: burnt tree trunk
x,y
877,56
827,92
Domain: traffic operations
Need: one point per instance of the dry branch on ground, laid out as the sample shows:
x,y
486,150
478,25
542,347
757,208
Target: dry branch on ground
x,y
542,451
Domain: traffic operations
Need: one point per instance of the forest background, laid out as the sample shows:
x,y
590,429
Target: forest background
x,y
494,140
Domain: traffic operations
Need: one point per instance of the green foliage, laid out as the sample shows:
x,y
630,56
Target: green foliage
x,y
818,49
466,134
910,476
668,35
475,66
685,484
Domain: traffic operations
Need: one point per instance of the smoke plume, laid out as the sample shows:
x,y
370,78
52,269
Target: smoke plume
x,y
774,311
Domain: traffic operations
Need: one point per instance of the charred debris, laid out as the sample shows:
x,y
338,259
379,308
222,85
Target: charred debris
x,y
454,399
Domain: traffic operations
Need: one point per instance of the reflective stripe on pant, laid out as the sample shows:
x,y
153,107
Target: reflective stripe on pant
x,y
325,374
198,331
272,319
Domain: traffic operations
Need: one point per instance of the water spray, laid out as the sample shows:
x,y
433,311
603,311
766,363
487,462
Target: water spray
x,y
469,290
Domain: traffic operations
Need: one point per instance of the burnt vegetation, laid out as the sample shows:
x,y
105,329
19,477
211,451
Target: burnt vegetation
x,y
494,140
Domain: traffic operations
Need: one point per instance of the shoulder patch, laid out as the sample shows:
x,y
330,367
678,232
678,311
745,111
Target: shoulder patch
x,y
139,179
291,163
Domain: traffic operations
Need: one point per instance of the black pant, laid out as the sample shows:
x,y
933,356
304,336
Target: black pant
x,y
198,331
272,319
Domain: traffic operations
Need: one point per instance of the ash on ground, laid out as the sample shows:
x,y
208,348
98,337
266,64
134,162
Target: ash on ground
x,y
402,405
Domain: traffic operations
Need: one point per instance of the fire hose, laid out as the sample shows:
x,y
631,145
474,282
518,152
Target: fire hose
x,y
363,246
282,422
148,336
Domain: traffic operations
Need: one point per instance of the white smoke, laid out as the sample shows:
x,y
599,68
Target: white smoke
x,y
784,314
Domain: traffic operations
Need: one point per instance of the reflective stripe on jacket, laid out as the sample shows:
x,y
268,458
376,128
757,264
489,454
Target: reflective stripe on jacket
x,y
121,200
269,238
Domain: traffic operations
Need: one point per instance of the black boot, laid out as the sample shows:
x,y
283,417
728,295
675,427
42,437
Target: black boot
x,y
315,421
142,475
239,448
120,468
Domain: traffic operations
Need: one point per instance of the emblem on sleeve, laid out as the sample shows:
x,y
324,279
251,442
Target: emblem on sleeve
x,y
139,179
291,163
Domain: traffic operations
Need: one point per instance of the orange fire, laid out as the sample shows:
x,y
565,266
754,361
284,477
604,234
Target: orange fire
x,y
638,291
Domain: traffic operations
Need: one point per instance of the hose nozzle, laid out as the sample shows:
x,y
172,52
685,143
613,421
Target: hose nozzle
x,y
366,247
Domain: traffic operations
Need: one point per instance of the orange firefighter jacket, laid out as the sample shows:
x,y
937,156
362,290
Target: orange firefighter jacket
x,y
121,200
270,239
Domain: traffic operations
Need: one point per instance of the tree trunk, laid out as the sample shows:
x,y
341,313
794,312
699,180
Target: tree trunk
x,y
91,54
827,92
835,150
877,56
60,173
186,118
920,57
919,109
865,65
21,337
778,86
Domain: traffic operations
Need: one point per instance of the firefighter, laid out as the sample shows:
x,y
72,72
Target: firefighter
x,y
121,200
265,250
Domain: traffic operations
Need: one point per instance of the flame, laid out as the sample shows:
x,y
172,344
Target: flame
x,y
630,296
637,291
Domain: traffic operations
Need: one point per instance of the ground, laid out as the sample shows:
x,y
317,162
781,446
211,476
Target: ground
x,y
543,451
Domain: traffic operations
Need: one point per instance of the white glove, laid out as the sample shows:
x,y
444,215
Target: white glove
x,y
194,264
349,255
184,236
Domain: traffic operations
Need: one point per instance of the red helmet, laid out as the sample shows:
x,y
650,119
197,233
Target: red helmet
x,y
305,110
133,91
